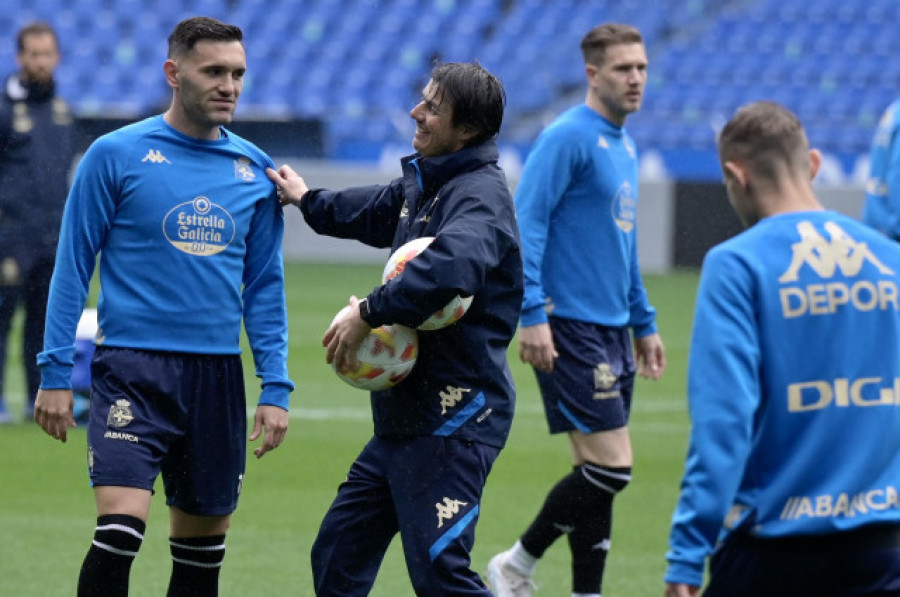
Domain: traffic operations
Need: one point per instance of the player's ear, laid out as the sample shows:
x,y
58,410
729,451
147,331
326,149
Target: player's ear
x,y
815,162
735,174
170,68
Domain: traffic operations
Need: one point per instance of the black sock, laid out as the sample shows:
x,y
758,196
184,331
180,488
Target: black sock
x,y
196,562
107,566
575,496
589,541
561,507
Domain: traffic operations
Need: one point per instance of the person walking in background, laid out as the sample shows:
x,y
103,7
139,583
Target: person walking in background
x,y
167,389
576,204
881,209
37,147
438,432
793,388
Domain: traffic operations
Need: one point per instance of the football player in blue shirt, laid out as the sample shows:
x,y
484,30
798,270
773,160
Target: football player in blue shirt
x,y
792,480
189,230
881,209
584,306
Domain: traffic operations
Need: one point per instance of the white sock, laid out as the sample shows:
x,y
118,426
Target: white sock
x,y
586,595
521,560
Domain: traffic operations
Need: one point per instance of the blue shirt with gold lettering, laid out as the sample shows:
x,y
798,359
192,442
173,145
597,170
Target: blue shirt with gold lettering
x,y
793,387
576,204
189,235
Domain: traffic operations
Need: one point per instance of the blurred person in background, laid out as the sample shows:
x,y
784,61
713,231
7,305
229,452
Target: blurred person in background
x,y
37,146
439,431
584,305
881,209
792,480
189,231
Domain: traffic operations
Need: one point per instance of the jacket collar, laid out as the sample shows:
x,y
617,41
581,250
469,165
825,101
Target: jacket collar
x,y
437,171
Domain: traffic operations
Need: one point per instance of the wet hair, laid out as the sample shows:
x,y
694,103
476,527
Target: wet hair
x,y
35,28
594,44
765,137
477,97
189,31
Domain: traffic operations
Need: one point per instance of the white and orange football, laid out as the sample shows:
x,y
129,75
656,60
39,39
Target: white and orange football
x,y
386,356
452,311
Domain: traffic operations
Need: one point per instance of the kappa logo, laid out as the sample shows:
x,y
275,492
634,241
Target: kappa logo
x,y
155,156
448,510
451,397
604,545
826,256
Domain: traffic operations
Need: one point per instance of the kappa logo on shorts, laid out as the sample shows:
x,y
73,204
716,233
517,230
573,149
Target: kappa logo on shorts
x,y
120,414
448,510
604,380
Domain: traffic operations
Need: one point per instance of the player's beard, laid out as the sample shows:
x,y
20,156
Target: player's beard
x,y
198,106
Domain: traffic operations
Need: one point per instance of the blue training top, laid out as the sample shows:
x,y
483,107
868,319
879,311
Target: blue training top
x,y
189,233
882,206
793,386
576,204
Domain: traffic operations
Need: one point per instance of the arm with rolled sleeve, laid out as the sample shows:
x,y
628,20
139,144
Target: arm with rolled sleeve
x,y
548,171
265,312
723,395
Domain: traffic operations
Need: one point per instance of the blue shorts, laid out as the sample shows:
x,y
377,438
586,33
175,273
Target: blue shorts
x,y
426,488
182,415
592,381
864,562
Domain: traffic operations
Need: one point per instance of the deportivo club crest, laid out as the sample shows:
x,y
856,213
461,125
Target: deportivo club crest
x,y
120,414
604,378
605,382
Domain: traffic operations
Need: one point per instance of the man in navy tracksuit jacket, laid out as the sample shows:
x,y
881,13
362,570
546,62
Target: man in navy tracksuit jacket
x,y
438,432
37,145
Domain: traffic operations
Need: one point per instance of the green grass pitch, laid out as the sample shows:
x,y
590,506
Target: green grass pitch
x,y
47,511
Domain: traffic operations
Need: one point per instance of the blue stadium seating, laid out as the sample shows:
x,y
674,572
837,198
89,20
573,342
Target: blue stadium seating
x,y
360,64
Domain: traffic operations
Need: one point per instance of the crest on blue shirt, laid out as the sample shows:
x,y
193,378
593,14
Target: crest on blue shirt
x,y
624,207
242,169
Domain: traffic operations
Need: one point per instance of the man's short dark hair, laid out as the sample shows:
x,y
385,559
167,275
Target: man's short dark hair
x,y
35,28
476,95
764,136
594,44
189,31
